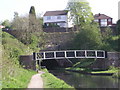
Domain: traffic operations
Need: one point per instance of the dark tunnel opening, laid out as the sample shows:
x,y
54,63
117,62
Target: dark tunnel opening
x,y
50,64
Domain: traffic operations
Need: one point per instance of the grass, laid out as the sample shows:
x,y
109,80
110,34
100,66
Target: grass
x,y
111,69
114,70
50,81
108,71
19,81
13,75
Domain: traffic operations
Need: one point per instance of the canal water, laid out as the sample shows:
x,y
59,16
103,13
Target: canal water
x,y
78,80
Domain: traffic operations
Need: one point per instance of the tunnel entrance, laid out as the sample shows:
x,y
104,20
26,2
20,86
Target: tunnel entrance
x,y
50,64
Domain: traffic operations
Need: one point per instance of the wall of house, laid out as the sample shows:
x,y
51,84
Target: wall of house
x,y
65,18
55,19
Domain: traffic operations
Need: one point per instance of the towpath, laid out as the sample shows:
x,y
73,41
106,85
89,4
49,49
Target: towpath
x,y
36,81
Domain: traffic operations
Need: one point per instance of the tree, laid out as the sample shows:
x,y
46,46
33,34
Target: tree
x,y
6,23
28,29
80,12
88,38
32,18
118,33
118,27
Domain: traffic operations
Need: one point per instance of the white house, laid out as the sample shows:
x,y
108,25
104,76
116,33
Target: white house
x,y
60,18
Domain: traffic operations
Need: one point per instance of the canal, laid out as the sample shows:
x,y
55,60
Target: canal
x,y
78,80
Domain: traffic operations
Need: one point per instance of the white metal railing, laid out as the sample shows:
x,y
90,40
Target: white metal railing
x,y
69,54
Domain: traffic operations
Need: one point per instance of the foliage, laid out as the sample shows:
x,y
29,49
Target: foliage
x,y
34,42
111,69
88,37
52,82
13,75
117,74
118,27
84,63
6,23
110,42
32,11
80,12
25,33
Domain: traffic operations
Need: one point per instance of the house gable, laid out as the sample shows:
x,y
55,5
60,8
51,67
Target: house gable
x,y
103,20
59,17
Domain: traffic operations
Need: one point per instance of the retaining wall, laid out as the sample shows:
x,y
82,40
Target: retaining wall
x,y
113,59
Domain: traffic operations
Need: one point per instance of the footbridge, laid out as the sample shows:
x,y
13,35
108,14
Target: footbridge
x,y
47,55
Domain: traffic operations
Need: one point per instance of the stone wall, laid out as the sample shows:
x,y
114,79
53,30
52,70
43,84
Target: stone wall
x,y
113,59
27,62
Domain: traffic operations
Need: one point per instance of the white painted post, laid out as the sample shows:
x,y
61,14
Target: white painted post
x,y
44,55
96,54
75,54
85,54
65,54
54,54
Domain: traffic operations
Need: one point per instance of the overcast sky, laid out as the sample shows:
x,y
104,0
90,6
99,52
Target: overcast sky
x,y
8,7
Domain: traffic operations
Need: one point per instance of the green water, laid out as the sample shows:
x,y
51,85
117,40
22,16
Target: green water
x,y
78,80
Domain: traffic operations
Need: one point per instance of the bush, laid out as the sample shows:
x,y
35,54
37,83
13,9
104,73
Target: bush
x,y
88,38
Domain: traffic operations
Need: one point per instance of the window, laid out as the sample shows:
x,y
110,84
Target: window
x,y
96,20
48,17
109,20
58,17
103,22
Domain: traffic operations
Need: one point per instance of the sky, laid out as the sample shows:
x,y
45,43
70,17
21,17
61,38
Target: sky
x,y
8,7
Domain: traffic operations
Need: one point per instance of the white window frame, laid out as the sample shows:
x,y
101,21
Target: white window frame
x,y
96,20
103,22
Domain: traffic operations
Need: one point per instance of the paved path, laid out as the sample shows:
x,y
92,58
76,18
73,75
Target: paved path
x,y
36,81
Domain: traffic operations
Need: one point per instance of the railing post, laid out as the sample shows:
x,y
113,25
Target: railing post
x,y
44,55
85,54
54,54
96,54
75,54
65,54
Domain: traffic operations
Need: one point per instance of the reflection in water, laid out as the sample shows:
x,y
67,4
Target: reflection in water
x,y
78,80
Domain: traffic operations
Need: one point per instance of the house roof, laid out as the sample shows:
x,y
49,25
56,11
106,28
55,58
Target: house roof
x,y
101,16
55,13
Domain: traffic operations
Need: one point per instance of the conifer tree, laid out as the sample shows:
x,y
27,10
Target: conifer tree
x,y
32,19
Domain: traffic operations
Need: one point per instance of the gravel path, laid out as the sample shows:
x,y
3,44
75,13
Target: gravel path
x,y
36,81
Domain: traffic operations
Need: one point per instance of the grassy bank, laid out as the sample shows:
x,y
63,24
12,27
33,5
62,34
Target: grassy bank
x,y
13,75
50,81
114,71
